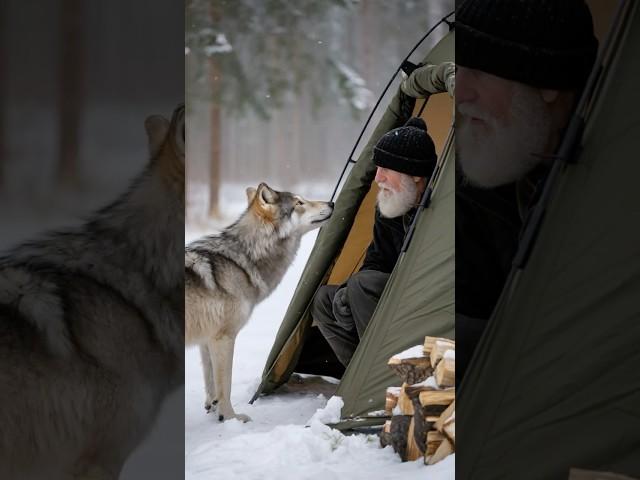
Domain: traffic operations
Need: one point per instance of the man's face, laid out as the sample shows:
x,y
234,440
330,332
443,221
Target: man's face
x,y
398,192
502,127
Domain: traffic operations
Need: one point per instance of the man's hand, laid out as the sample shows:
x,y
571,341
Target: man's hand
x,y
341,309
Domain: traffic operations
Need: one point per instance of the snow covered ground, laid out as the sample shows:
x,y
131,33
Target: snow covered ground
x,y
276,444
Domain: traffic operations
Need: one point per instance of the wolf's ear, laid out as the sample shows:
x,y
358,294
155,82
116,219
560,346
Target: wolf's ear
x,y
266,194
157,127
251,194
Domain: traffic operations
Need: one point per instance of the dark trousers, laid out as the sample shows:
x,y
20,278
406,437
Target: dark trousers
x,y
363,292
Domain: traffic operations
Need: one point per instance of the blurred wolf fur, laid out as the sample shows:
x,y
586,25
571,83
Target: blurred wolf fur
x,y
92,327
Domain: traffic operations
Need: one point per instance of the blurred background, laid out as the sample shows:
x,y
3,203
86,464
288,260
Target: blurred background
x,y
77,80
278,91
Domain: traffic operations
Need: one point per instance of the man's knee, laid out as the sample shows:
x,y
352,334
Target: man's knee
x,y
367,283
321,307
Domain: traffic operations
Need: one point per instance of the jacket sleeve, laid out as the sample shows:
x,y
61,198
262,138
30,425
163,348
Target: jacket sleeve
x,y
381,254
429,79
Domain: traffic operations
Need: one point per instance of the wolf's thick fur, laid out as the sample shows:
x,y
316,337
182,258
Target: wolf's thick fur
x,y
226,275
92,325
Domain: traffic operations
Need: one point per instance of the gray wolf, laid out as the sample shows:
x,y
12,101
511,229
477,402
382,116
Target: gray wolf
x,y
227,274
92,327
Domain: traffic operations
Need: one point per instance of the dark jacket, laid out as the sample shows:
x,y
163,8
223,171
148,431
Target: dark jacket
x,y
388,237
488,228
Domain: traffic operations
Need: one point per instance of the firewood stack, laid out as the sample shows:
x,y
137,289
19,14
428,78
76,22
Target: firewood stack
x,y
423,408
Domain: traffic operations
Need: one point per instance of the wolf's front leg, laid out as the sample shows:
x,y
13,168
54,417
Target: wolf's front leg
x,y
221,351
211,400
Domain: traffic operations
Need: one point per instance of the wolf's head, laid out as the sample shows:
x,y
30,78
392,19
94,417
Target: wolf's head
x,y
288,213
167,147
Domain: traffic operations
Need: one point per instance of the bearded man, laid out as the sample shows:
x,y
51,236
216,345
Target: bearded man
x,y
520,69
405,158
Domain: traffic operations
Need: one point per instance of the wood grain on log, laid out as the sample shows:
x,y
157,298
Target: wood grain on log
x,y
444,450
434,439
445,416
438,397
413,451
391,399
411,370
445,372
439,349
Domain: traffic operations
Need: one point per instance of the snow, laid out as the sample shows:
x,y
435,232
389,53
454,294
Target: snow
x,y
361,96
221,45
277,444
330,413
413,352
428,382
377,413
394,390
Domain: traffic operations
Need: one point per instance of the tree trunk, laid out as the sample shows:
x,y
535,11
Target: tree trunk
x,y
215,125
216,142
71,90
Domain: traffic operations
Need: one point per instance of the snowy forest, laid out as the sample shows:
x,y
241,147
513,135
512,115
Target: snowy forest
x,y
77,80
278,91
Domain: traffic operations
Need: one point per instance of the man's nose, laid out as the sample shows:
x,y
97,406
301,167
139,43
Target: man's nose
x,y
465,85
379,175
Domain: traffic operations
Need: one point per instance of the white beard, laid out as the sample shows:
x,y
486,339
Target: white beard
x,y
503,151
394,203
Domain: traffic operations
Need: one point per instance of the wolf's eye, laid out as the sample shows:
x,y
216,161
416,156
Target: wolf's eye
x,y
299,203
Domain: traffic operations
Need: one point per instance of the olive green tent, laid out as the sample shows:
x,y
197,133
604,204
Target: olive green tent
x,y
418,299
555,382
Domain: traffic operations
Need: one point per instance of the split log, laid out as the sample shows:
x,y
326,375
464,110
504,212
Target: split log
x,y
411,365
440,347
385,434
398,431
413,452
439,424
449,428
445,371
410,392
434,439
434,402
444,450
429,342
421,425
391,399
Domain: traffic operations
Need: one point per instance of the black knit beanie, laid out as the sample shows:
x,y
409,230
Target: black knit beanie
x,y
408,149
543,43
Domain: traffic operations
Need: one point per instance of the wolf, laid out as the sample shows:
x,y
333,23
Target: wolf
x,y
227,274
92,327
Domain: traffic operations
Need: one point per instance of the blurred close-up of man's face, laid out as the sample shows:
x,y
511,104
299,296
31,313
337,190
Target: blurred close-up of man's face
x,y
502,127
397,192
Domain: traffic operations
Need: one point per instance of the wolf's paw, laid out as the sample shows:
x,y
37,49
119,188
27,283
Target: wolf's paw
x,y
240,416
210,405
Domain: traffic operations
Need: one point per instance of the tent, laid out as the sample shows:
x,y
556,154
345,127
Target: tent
x,y
554,383
418,299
